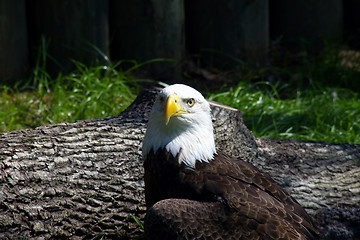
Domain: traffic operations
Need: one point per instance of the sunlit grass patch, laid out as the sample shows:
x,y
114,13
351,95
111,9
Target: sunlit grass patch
x,y
327,114
87,92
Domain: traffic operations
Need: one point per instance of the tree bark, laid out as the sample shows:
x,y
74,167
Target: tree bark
x,y
84,180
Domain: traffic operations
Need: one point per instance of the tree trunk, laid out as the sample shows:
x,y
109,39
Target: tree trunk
x,y
149,29
84,180
74,29
227,32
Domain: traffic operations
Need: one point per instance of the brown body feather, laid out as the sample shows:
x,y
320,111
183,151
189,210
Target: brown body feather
x,y
225,198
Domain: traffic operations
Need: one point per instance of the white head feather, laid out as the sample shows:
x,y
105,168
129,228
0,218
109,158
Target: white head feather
x,y
189,132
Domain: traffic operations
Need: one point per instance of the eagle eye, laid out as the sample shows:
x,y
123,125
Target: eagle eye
x,y
190,102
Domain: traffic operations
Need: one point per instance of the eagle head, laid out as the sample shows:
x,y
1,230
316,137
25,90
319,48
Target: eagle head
x,y
180,122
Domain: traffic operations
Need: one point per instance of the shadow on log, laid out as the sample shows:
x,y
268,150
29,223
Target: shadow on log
x,y
84,180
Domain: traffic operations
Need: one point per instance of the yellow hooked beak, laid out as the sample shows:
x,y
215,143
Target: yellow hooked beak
x,y
172,107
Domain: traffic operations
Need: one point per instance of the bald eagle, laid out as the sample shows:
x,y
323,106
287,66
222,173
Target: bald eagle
x,y
194,192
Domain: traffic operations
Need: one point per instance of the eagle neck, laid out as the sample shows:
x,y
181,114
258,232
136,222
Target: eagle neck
x,y
188,143
192,145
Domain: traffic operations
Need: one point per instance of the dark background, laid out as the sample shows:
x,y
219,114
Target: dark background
x,y
223,33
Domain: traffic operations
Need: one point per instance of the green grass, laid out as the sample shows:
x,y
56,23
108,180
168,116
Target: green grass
x,y
87,92
138,222
329,114
314,99
303,98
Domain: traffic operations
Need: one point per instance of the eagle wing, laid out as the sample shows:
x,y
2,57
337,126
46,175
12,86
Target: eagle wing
x,y
191,219
225,198
264,205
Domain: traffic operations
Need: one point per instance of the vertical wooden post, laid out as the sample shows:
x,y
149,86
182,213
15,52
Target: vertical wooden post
x,y
148,29
74,29
313,21
233,28
352,22
13,40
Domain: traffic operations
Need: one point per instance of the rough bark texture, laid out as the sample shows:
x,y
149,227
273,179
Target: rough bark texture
x,y
84,180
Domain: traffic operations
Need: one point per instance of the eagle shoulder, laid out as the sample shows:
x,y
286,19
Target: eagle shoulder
x,y
241,191
252,194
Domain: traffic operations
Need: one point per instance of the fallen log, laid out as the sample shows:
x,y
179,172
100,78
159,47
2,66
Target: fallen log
x,y
84,180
